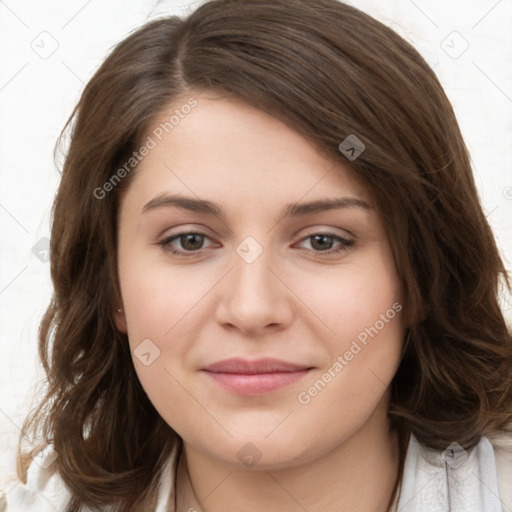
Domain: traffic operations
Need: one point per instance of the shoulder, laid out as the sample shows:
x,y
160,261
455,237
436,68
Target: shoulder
x,y
43,489
502,445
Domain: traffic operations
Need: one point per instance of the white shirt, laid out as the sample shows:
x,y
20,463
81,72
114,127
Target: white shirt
x,y
433,481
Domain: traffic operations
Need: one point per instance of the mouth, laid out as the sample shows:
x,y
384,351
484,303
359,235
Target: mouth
x,y
244,377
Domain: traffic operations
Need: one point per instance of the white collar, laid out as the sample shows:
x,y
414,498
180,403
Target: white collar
x,y
453,480
433,481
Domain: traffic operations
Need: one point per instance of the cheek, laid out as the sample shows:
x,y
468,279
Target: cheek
x,y
159,307
163,305
362,308
363,358
160,298
353,298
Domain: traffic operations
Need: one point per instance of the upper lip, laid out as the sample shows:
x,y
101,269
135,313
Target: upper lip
x,y
243,366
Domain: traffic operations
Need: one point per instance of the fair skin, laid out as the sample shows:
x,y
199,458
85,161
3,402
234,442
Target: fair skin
x,y
298,301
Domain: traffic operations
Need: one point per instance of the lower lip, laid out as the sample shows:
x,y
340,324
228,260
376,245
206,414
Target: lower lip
x,y
256,384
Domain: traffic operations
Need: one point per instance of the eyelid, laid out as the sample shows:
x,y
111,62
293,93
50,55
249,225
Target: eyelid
x,y
315,230
325,230
181,230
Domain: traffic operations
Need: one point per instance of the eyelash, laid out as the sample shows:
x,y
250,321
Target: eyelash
x,y
165,244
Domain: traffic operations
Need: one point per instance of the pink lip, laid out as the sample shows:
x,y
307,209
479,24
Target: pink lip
x,y
255,377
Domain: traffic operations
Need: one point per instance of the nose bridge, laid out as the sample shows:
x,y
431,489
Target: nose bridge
x,y
253,277
254,297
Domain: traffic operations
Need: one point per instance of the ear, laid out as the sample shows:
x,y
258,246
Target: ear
x,y
120,320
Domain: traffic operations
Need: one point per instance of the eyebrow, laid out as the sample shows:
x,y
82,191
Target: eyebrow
x,y
289,210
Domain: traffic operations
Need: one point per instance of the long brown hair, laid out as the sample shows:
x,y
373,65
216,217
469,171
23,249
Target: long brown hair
x,y
329,71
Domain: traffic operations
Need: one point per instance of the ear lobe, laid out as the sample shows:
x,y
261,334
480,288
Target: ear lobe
x,y
120,321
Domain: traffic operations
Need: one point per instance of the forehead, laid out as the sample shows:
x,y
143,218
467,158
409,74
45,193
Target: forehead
x,y
224,148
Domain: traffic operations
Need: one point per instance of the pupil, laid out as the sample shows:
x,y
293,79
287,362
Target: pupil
x,y
189,241
322,239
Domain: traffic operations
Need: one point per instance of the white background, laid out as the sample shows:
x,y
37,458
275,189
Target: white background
x,y
38,92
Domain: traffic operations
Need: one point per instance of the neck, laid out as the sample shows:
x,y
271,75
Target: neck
x,y
358,474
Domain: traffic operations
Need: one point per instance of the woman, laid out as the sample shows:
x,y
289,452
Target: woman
x,y
333,341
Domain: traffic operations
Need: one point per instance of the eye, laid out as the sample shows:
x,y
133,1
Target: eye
x,y
191,242
322,243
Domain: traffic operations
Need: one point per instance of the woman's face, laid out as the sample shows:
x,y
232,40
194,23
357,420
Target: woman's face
x,y
261,271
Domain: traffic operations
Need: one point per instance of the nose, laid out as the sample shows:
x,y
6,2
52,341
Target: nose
x,y
254,297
